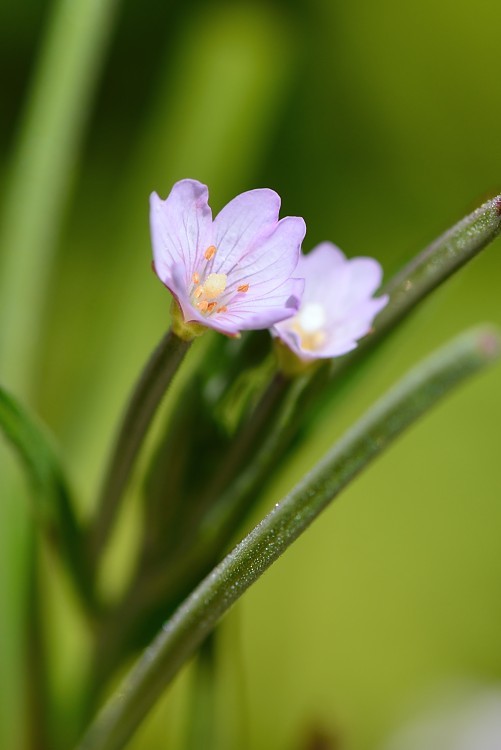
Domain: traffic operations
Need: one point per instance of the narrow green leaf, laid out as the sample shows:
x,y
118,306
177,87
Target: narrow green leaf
x,y
51,498
440,260
200,612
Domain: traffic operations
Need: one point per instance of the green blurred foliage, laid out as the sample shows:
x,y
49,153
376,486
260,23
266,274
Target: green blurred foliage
x,y
379,123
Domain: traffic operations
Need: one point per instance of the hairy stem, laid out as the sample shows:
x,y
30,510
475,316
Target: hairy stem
x,y
200,612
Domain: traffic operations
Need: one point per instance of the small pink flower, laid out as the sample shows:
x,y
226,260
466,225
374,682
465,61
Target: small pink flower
x,y
337,306
233,273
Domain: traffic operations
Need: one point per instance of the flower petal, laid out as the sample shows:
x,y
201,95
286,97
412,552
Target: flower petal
x,y
365,277
271,260
342,291
240,222
327,274
263,312
181,228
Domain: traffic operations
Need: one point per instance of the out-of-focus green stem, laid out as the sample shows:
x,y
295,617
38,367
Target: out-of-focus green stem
x,y
38,692
35,194
233,504
52,502
169,582
145,399
201,724
241,450
42,169
198,615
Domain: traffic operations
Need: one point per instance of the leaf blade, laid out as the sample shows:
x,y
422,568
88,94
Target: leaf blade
x,y
51,499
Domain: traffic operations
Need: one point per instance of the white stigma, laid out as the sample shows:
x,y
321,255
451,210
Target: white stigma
x,y
309,324
214,285
312,317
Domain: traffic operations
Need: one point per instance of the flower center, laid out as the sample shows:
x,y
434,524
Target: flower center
x,y
205,295
309,324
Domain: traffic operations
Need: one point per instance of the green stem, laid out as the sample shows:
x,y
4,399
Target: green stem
x,y
415,281
41,173
201,725
51,499
168,582
200,612
138,416
240,454
435,264
37,683
36,192
235,502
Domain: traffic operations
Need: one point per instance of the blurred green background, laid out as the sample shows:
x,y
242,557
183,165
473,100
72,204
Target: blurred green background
x,y
379,123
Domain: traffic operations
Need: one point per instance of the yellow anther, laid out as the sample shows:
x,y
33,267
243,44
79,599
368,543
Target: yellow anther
x,y
195,278
204,295
210,252
243,288
222,309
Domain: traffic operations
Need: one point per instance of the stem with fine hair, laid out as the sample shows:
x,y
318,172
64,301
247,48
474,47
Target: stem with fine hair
x,y
407,289
430,268
145,399
169,583
201,611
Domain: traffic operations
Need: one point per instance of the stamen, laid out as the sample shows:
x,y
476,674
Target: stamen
x,y
204,295
195,278
210,252
243,288
222,309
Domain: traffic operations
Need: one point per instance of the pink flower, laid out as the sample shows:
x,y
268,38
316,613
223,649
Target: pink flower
x,y
233,273
337,307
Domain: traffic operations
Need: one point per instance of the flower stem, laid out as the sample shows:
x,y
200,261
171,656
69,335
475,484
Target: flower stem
x,y
168,583
200,612
141,409
241,451
437,262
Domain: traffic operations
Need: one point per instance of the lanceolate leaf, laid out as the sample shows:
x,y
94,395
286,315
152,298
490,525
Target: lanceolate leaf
x,y
51,498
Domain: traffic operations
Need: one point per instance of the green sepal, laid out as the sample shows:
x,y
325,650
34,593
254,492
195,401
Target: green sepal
x,y
186,331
